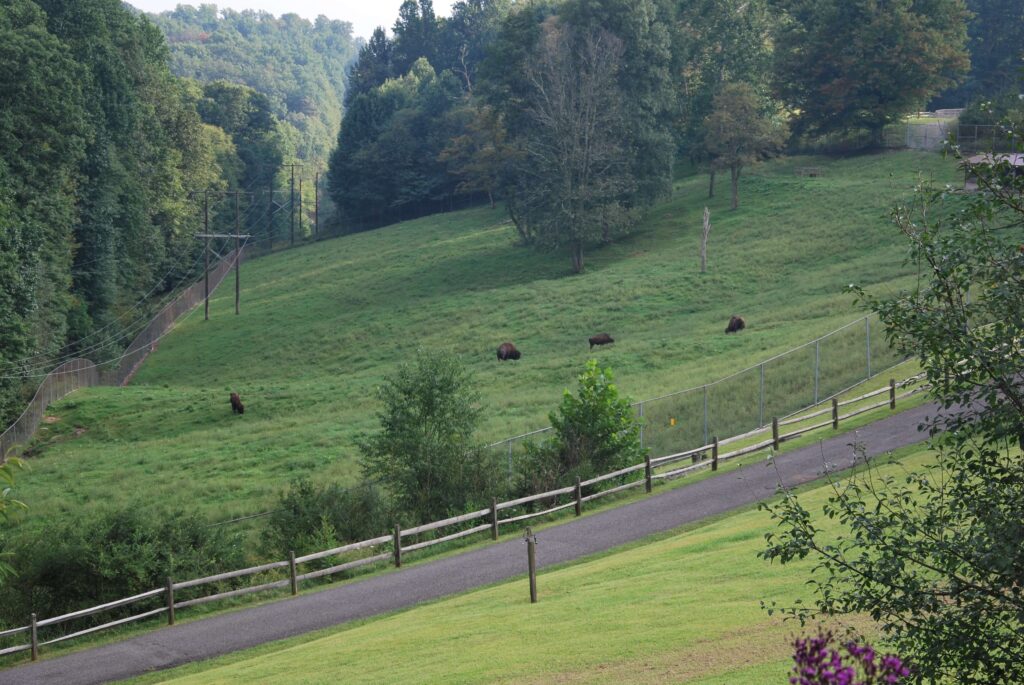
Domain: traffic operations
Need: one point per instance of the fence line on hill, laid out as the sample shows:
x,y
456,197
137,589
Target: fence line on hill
x,y
168,599
779,386
83,373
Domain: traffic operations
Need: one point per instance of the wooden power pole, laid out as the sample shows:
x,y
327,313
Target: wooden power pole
x,y
316,206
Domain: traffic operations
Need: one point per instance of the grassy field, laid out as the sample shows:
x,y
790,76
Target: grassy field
x,y
681,608
322,325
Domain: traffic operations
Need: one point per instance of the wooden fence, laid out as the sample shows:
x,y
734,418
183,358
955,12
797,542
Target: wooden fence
x,y
391,547
83,373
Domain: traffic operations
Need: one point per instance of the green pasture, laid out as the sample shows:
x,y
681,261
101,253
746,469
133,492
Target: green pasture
x,y
321,326
678,608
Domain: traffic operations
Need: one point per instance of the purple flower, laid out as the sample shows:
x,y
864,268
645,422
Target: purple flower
x,y
818,662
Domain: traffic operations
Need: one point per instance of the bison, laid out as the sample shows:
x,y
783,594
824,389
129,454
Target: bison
x,y
506,351
736,323
236,404
601,339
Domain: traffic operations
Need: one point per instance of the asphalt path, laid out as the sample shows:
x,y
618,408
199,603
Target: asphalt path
x,y
210,637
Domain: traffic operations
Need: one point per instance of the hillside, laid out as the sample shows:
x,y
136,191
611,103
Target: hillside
x,y
684,608
320,327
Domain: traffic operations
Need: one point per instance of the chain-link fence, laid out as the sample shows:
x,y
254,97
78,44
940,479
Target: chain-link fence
x,y
82,373
777,387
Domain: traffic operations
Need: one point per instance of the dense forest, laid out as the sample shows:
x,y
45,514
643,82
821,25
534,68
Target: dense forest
x,y
573,112
297,65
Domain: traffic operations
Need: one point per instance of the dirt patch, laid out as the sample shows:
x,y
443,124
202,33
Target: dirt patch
x,y
79,431
51,419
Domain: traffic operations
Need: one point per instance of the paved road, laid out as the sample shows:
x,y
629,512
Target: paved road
x,y
173,646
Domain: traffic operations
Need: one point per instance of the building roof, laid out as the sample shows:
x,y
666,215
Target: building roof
x,y
1015,159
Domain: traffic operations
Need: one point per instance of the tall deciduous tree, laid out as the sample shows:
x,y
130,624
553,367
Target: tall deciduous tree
x,y
741,130
847,65
424,453
574,170
935,554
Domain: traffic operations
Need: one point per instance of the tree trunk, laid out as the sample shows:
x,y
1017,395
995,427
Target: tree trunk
x,y
490,197
711,184
735,186
576,253
705,232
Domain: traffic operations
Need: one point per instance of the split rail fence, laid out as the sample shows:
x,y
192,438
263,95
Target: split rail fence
x,y
177,595
83,373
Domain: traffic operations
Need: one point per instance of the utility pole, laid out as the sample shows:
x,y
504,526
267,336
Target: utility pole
x,y
238,258
316,206
301,230
270,215
291,205
206,255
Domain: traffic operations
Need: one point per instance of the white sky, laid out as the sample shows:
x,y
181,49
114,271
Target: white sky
x,y
365,15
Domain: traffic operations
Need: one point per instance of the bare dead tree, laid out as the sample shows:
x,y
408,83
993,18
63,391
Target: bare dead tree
x,y
704,241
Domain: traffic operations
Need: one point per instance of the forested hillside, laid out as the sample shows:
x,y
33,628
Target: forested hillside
x,y
99,146
297,65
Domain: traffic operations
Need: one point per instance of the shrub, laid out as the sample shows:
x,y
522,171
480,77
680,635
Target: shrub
x,y
312,518
115,555
594,432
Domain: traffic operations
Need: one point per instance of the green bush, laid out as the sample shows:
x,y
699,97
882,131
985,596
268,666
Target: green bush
x,y
115,555
312,518
594,432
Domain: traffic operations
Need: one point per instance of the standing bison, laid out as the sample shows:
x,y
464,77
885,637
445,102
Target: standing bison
x,y
506,351
601,339
236,404
736,324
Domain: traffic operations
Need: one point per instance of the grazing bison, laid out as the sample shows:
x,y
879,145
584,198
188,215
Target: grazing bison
x,y
736,323
236,404
507,351
601,339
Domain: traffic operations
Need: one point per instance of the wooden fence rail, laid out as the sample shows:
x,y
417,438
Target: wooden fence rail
x,y
493,523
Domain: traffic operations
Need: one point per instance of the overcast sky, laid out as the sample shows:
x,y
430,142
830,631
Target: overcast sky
x,y
365,15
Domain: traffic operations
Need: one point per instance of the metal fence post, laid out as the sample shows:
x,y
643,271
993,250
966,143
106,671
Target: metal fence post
x,y
867,334
705,414
641,425
817,366
760,421
510,459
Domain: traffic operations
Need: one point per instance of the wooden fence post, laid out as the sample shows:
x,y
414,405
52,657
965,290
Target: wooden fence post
x,y
648,484
579,497
398,545
170,601
494,519
892,393
531,561
775,432
714,453
835,413
291,573
35,640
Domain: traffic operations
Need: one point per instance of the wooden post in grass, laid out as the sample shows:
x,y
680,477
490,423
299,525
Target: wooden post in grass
x,y
714,453
705,232
648,483
398,545
835,413
579,497
35,639
494,519
291,573
531,561
892,393
775,432
170,601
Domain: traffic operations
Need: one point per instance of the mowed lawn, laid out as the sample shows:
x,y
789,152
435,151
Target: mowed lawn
x,y
685,608
322,325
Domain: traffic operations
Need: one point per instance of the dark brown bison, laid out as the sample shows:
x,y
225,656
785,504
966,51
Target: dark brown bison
x,y
508,351
601,339
236,404
736,323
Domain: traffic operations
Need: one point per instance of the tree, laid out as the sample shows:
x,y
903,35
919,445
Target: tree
x,y
424,453
480,155
740,131
8,505
995,35
936,555
849,65
593,432
573,165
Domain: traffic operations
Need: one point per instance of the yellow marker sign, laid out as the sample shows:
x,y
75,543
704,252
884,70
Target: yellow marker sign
x,y
671,422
